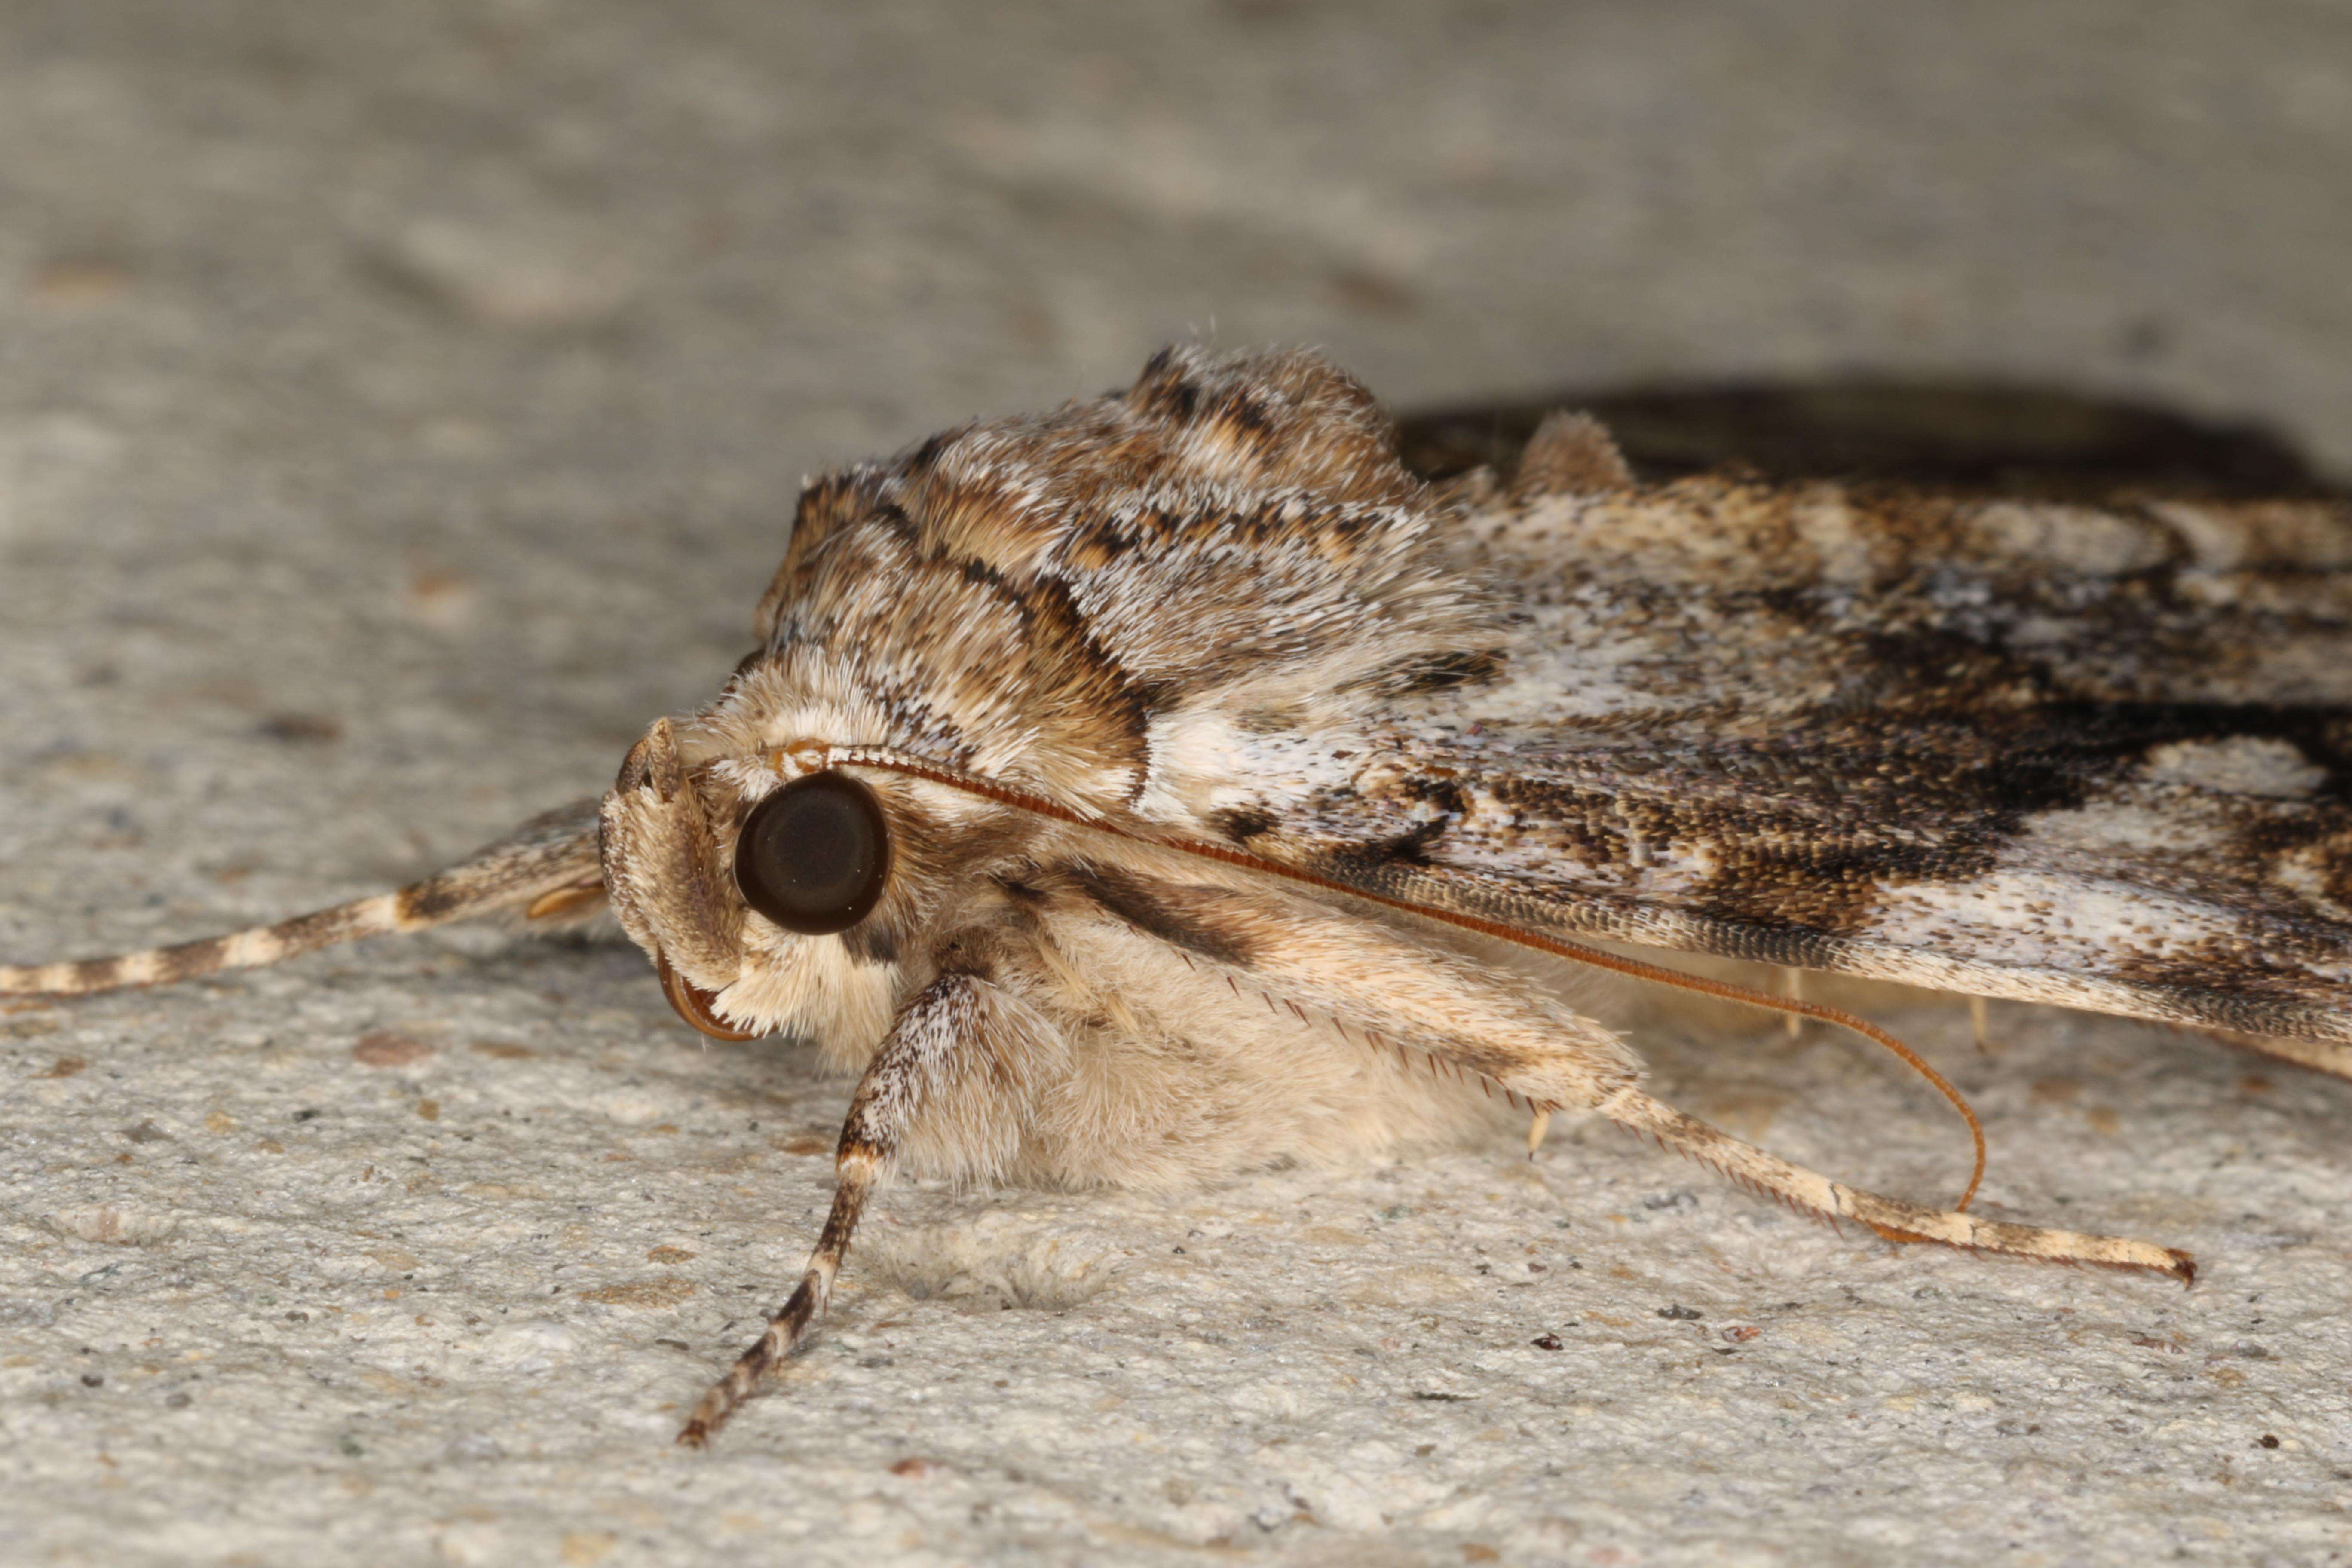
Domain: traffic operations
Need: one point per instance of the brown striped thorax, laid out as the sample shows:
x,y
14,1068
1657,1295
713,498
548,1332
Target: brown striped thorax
x,y
1136,794
1105,605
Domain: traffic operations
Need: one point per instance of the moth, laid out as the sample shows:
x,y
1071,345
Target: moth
x,y
1124,794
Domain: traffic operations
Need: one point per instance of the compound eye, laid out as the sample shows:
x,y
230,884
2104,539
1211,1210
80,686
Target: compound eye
x,y
813,855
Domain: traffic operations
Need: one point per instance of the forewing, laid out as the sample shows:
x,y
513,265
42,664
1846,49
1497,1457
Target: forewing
x,y
2092,755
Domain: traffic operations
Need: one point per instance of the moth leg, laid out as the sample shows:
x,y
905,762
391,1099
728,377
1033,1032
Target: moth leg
x,y
1793,982
931,1038
1537,1127
1980,1021
1471,1019
1460,1017
1890,1217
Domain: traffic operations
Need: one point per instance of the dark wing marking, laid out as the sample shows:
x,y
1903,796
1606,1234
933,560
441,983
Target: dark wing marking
x,y
2099,756
2007,438
2190,864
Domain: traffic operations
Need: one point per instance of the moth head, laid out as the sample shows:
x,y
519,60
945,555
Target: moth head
x,y
775,893
1179,602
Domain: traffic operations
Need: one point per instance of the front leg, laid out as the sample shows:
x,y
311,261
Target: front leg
x,y
936,1037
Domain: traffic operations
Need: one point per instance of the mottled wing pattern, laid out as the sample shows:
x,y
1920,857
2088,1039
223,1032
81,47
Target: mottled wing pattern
x,y
2098,756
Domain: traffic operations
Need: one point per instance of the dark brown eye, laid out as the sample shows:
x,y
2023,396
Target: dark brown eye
x,y
814,855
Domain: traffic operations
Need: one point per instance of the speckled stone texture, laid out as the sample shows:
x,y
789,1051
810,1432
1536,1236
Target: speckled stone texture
x,y
400,404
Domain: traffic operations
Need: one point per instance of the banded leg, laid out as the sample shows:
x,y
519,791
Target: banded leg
x,y
935,1036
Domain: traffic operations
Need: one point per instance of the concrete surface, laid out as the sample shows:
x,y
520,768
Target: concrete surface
x,y
399,405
